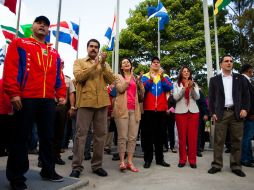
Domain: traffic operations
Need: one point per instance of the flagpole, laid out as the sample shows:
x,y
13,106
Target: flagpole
x,y
117,37
159,36
58,24
78,38
18,19
216,45
207,43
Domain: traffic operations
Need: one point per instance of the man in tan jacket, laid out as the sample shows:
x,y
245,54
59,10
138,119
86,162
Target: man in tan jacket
x,y
92,75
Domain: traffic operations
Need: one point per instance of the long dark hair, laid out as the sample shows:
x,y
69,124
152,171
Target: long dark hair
x,y
180,75
120,66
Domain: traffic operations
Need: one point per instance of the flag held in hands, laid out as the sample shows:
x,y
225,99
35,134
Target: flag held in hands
x,y
160,12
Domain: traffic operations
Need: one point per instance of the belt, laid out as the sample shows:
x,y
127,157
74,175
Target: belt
x,y
229,108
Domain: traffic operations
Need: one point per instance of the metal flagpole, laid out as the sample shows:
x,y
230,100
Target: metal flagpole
x,y
159,36
207,42
58,24
117,37
18,19
78,38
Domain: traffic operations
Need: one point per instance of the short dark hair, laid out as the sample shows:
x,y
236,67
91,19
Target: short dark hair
x,y
222,58
155,58
93,40
245,68
42,18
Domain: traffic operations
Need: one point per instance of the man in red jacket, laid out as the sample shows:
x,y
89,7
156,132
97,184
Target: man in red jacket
x,y
33,78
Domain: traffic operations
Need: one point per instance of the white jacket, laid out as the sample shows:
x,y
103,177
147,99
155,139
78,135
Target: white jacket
x,y
181,106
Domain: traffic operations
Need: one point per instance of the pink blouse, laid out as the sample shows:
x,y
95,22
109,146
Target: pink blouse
x,y
131,95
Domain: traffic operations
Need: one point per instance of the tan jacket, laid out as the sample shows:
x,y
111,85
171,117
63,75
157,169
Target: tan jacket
x,y
120,109
181,106
92,80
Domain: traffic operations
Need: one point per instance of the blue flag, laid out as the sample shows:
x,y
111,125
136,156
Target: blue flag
x,y
160,12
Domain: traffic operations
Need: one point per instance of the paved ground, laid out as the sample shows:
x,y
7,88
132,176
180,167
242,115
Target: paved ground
x,y
156,177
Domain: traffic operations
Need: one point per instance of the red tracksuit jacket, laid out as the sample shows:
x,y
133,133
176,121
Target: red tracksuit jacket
x,y
33,70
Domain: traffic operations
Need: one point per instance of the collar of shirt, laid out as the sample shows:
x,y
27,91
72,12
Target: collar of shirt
x,y
247,77
223,75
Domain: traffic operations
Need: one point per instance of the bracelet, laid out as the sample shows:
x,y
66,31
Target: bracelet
x,y
73,108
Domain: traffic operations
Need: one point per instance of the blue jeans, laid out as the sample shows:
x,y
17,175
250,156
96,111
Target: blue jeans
x,y
248,134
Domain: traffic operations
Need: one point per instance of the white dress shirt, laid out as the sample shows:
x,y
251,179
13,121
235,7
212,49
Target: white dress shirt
x,y
228,88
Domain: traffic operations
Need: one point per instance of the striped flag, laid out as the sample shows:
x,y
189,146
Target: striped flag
x,y
10,33
110,36
219,5
68,33
11,4
2,56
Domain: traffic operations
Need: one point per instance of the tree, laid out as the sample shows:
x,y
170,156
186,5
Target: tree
x,y
242,16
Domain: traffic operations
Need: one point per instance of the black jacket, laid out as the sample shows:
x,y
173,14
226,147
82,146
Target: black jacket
x,y
241,96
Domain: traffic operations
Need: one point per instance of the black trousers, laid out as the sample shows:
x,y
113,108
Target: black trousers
x,y
6,125
41,111
152,133
60,124
170,132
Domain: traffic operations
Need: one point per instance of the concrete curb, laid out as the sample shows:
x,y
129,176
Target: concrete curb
x,y
77,185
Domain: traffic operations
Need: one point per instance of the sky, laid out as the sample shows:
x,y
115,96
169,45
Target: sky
x,y
95,17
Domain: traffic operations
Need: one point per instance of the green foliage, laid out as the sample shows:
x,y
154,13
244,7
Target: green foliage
x,y
182,40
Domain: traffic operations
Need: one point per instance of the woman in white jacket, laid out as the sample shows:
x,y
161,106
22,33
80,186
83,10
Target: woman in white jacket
x,y
186,93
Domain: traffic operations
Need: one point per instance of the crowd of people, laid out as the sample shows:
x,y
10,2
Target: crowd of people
x,y
34,93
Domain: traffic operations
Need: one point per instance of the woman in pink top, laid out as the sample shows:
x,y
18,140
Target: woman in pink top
x,y
126,112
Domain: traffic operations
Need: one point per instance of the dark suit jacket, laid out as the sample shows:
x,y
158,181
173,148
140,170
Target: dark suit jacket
x,y
251,91
241,96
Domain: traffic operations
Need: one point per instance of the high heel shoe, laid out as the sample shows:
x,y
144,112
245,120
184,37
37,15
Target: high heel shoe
x,y
132,167
122,166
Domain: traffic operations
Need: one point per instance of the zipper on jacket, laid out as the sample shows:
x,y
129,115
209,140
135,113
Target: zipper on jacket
x,y
44,84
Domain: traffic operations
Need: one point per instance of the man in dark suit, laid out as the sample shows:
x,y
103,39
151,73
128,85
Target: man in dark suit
x,y
229,102
248,130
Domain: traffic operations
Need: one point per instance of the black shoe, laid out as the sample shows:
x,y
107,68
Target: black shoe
x,y
54,177
214,170
3,153
227,150
165,149
181,165
115,157
59,161
147,165
34,151
75,173
88,157
199,154
239,173
100,172
194,166
173,150
70,157
39,164
107,150
163,163
247,164
18,185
